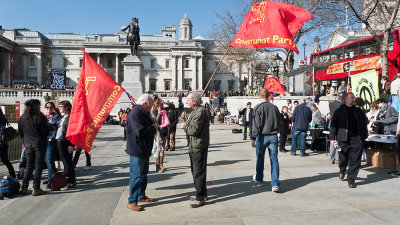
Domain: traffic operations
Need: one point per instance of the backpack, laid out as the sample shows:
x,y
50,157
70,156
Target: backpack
x,y
9,187
58,180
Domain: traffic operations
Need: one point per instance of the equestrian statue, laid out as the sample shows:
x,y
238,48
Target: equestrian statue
x,y
133,37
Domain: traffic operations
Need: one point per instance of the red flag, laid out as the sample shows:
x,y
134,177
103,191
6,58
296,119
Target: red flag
x,y
274,85
95,96
271,24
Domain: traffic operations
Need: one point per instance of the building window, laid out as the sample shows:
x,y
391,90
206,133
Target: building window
x,y
167,85
65,62
188,85
109,63
152,63
217,85
231,83
152,85
80,63
32,61
186,63
167,64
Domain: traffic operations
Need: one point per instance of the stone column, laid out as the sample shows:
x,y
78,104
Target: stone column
x,y
25,66
173,79
98,58
39,68
193,67
180,73
117,67
200,77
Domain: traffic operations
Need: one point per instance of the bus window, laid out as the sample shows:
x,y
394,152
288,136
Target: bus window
x,y
324,56
315,58
351,51
368,47
336,54
391,41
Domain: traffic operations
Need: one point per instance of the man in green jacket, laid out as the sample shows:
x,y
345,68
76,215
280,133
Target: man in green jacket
x,y
197,128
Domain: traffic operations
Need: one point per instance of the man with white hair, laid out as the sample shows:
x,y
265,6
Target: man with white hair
x,y
197,128
140,136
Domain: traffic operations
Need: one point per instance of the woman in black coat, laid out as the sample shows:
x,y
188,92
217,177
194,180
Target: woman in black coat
x,y
285,129
34,130
4,147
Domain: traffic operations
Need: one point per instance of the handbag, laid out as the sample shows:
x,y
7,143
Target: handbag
x,y
8,133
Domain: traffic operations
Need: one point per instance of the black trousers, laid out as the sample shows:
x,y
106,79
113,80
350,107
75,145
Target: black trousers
x,y
350,155
78,152
5,160
198,165
34,160
66,158
282,141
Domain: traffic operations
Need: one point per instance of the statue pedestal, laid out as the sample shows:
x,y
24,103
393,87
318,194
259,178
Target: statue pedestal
x,y
133,68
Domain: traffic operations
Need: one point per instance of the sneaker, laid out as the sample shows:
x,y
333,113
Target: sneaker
x,y
396,174
197,204
68,186
305,154
256,181
193,198
87,168
275,189
293,153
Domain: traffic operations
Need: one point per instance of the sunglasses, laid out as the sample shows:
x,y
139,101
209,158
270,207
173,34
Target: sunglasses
x,y
60,106
50,107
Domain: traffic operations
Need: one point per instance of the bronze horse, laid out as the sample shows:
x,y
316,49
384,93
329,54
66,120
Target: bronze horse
x,y
133,37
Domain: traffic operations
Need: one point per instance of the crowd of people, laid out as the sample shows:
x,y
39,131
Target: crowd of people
x,y
32,86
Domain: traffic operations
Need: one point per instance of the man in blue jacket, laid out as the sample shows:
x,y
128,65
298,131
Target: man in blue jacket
x,y
139,143
302,116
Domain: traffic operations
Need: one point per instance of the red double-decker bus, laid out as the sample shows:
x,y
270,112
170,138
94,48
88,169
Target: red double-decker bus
x,y
356,57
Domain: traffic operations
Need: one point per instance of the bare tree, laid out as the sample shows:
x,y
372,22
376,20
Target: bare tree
x,y
377,12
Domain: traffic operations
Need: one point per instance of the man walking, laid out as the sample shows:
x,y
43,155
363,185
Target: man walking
x,y
140,136
266,123
197,128
302,116
349,130
247,114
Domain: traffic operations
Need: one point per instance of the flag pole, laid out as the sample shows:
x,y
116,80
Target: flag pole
x,y
216,68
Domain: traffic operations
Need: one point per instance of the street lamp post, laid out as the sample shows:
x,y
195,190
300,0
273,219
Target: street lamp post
x,y
304,53
277,61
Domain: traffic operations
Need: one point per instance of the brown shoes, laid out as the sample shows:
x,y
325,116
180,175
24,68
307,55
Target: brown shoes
x,y
134,207
351,184
341,175
147,199
197,204
38,192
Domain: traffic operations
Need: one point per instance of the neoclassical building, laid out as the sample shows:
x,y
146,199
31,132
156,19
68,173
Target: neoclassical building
x,y
170,64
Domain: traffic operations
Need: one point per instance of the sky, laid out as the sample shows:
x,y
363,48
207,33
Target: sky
x,y
108,16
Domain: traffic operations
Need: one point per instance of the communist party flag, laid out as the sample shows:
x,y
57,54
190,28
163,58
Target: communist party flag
x,y
274,85
271,24
95,96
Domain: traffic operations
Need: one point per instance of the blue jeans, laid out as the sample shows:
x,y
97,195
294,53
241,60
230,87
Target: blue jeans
x,y
139,167
262,143
51,167
245,126
295,134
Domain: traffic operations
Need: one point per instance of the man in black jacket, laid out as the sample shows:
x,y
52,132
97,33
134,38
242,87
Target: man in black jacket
x,y
349,130
301,118
247,114
140,138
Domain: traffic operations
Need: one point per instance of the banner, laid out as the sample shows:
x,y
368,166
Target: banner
x,y
274,85
58,79
356,65
271,24
365,85
96,95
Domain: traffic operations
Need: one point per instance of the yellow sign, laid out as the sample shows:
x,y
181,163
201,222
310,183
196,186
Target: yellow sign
x,y
365,86
356,65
